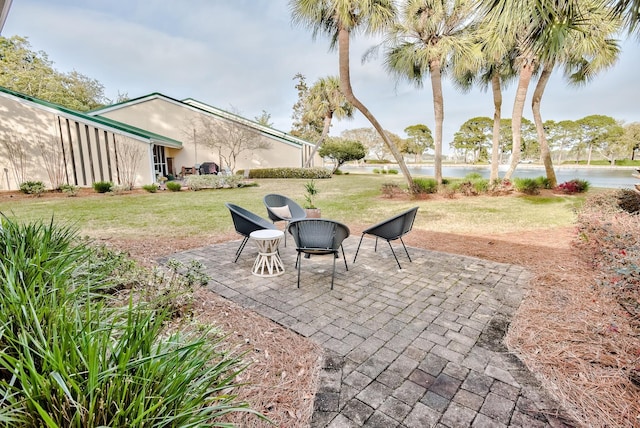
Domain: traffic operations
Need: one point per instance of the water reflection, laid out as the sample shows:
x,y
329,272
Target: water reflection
x,y
596,176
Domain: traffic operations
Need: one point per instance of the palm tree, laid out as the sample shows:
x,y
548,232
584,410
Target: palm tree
x,y
339,19
629,10
496,71
432,35
586,50
326,101
573,32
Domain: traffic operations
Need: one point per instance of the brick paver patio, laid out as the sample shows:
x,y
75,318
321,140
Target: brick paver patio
x,y
413,347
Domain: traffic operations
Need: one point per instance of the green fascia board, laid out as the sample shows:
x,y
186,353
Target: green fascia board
x,y
100,120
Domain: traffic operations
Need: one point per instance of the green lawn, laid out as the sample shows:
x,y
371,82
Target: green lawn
x,y
353,199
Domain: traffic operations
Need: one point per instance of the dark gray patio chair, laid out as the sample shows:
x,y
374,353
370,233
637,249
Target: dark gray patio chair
x,y
281,208
318,236
391,229
246,222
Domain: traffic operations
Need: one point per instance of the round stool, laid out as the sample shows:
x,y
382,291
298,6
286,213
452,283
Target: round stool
x,y
268,262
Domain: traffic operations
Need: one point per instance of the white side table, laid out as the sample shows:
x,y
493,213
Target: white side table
x,y
268,262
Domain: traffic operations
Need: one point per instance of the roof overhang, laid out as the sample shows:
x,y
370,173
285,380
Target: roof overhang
x,y
97,121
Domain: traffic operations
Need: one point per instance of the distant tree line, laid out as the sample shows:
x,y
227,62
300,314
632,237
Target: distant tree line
x,y
568,140
32,73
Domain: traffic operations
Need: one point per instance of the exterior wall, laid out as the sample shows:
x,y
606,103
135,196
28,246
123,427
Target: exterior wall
x,y
40,145
181,122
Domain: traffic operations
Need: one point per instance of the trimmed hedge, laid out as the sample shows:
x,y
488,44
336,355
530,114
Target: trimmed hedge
x,y
308,173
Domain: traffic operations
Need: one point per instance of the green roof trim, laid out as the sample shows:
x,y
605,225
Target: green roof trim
x,y
209,109
99,120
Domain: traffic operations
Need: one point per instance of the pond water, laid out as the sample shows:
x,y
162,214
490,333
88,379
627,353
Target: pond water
x,y
619,177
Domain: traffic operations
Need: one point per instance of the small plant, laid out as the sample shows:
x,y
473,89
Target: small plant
x,y
70,189
393,171
311,192
174,186
376,170
543,182
389,190
35,188
529,186
151,188
572,186
425,185
102,186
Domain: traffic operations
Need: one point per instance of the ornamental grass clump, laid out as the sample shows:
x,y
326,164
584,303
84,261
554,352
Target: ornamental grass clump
x,y
528,186
71,358
102,186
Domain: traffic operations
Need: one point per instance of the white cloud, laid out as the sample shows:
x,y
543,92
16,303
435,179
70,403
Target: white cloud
x,y
244,53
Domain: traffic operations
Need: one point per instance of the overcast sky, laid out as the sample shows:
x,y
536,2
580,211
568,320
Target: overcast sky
x,y
242,55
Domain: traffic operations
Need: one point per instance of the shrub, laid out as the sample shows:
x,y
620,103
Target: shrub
x,y
393,171
500,187
610,240
472,176
35,188
308,173
425,185
629,201
102,186
376,170
572,186
529,186
211,181
151,188
108,365
70,189
174,186
543,182
389,190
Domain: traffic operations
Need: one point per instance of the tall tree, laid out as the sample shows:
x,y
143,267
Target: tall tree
x,y
264,119
339,19
596,130
32,73
549,32
430,36
562,135
419,140
474,137
325,101
301,126
370,138
629,10
342,150
497,71
586,48
632,136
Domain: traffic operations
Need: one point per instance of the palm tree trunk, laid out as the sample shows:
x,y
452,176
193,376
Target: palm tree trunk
x,y
516,118
438,111
545,153
345,85
325,131
495,141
